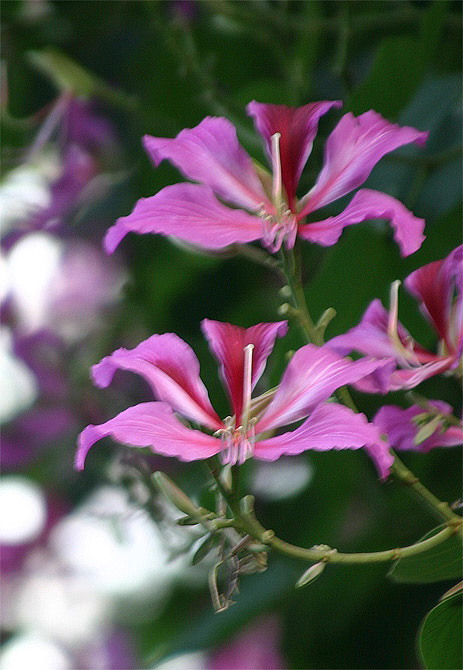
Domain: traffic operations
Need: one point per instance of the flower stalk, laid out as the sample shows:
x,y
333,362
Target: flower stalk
x,y
245,522
314,334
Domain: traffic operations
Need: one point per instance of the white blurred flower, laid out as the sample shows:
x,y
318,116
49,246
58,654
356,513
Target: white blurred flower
x,y
192,661
26,189
18,386
30,650
60,285
284,478
117,547
54,602
33,264
23,510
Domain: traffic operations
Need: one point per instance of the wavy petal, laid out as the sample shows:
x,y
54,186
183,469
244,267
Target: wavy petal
x,y
370,337
210,154
381,456
297,127
153,425
397,424
227,343
433,287
330,426
368,204
190,212
312,375
171,368
351,152
409,378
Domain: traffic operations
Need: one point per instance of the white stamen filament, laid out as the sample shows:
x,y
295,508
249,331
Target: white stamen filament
x,y
276,165
238,441
247,385
392,326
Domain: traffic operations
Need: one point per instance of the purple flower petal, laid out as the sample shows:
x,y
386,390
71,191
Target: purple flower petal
x,y
351,152
370,337
82,126
227,343
367,204
297,127
411,377
191,213
397,424
150,424
433,287
171,368
330,426
77,170
210,154
381,457
312,375
34,430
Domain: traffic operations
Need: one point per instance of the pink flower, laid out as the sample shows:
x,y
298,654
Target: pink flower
x,y
419,429
172,370
437,287
235,201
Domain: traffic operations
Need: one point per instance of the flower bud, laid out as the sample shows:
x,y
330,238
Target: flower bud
x,y
176,496
311,574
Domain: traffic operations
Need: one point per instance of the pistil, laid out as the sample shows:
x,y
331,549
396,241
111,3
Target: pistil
x,y
247,385
276,166
392,328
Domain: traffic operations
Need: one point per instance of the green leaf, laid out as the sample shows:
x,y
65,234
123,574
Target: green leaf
x,y
399,66
437,564
440,636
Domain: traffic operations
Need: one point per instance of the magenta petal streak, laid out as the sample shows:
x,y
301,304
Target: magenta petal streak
x,y
227,343
297,127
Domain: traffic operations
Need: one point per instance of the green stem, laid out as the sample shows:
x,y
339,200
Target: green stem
x,y
246,522
292,269
402,18
333,556
406,476
261,257
398,469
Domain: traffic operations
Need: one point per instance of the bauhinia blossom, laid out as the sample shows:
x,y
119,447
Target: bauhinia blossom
x,y
236,201
419,428
437,287
172,370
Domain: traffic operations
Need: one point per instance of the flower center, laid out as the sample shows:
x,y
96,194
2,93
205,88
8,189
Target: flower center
x,y
281,225
238,441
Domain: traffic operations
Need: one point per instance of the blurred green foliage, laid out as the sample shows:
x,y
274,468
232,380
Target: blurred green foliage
x,y
168,64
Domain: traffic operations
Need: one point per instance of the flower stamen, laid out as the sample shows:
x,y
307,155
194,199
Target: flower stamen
x,y
392,328
276,167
